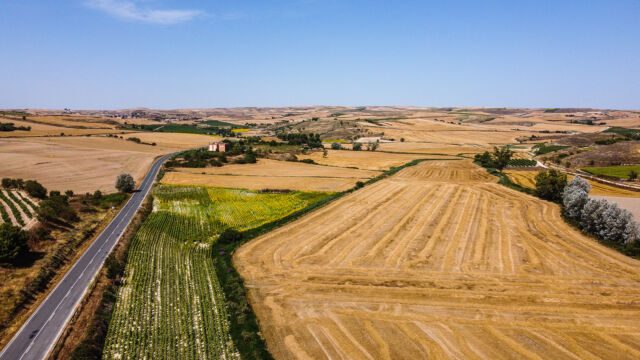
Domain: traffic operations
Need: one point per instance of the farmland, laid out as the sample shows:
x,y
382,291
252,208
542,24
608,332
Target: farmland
x,y
17,208
171,304
85,164
526,179
440,261
271,174
366,160
620,172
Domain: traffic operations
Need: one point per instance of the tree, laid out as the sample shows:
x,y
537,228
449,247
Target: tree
x,y
591,219
13,243
501,156
581,183
125,183
632,233
633,175
336,146
249,158
574,199
373,146
484,159
356,146
35,189
550,185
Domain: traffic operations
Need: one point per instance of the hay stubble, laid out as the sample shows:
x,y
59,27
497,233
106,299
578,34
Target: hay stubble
x,y
441,262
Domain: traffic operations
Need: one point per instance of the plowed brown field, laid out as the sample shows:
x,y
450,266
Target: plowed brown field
x,y
439,261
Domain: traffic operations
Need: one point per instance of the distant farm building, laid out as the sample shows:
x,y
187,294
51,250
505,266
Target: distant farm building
x,y
218,147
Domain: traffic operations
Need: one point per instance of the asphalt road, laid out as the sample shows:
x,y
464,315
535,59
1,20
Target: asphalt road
x,y
39,334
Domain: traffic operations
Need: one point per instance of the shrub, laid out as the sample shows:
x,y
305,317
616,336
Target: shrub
x,y
356,146
56,208
35,189
250,158
125,183
550,185
484,159
359,184
336,146
230,236
633,175
13,243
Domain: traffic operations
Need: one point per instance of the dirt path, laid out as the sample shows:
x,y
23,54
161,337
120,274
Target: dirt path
x,y
439,261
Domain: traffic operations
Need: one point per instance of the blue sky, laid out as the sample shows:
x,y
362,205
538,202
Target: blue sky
x,y
90,54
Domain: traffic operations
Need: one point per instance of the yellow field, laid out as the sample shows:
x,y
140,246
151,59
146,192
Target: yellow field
x,y
43,129
369,160
441,262
526,178
175,140
81,164
271,174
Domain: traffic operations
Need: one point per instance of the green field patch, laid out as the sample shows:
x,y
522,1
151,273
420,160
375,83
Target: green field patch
x,y
620,172
541,149
171,304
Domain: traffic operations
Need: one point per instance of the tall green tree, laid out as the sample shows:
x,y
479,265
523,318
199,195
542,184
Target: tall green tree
x,y
501,156
125,183
550,185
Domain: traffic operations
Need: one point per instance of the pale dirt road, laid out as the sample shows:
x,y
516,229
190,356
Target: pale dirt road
x,y
439,261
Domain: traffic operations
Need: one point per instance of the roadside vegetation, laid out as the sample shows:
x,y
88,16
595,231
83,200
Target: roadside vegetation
x,y
41,232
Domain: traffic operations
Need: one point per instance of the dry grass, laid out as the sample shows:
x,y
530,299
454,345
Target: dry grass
x,y
271,174
38,130
266,167
526,178
174,140
440,262
14,279
261,183
369,160
81,164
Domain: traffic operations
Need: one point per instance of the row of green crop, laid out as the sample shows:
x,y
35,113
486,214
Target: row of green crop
x,y
19,200
12,207
522,163
171,304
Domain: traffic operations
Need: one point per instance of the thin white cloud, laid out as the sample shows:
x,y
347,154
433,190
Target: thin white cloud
x,y
129,10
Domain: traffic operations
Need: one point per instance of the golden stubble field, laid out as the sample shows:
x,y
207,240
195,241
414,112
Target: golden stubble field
x,y
85,164
271,174
439,261
527,178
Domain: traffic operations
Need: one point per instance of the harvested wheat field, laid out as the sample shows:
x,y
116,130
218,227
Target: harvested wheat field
x,y
81,164
175,140
432,148
439,261
526,178
368,160
277,168
272,174
261,182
